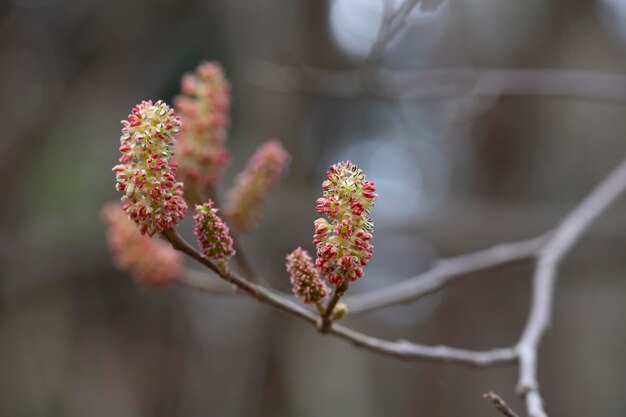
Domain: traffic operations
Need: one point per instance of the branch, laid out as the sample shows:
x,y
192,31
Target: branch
x,y
391,24
400,349
439,83
549,250
181,245
329,311
499,404
564,238
242,260
444,272
204,282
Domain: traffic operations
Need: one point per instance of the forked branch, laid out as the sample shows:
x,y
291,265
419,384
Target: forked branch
x,y
548,249
564,238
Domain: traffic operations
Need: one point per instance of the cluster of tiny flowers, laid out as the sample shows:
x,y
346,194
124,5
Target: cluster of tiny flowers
x,y
213,234
343,247
203,108
263,171
150,261
305,278
145,175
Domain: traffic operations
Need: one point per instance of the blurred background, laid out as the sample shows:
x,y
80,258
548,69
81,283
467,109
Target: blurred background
x,y
456,171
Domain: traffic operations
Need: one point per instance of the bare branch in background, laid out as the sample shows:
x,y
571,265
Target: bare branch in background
x,y
565,237
439,83
444,272
391,24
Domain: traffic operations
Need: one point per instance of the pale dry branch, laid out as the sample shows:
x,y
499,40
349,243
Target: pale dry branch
x,y
439,83
444,272
566,235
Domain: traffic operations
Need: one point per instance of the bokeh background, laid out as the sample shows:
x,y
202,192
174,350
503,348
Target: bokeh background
x,y
454,174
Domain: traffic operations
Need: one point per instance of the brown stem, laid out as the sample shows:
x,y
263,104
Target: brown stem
x,y
327,317
500,404
320,308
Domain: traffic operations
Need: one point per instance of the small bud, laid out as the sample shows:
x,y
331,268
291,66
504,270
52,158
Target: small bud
x,y
151,196
305,279
340,311
213,235
149,261
203,108
263,171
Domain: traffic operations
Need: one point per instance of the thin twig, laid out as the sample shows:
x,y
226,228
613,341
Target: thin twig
x,y
444,272
391,24
439,82
400,349
500,404
564,238
327,317
381,41
242,260
204,282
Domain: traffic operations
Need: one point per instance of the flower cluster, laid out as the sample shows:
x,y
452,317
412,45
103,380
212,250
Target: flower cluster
x,y
264,169
150,261
203,108
343,247
305,278
213,234
152,197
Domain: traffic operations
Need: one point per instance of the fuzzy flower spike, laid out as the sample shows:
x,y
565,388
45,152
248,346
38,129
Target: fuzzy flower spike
x,y
203,107
342,243
150,261
264,170
213,235
305,279
145,175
